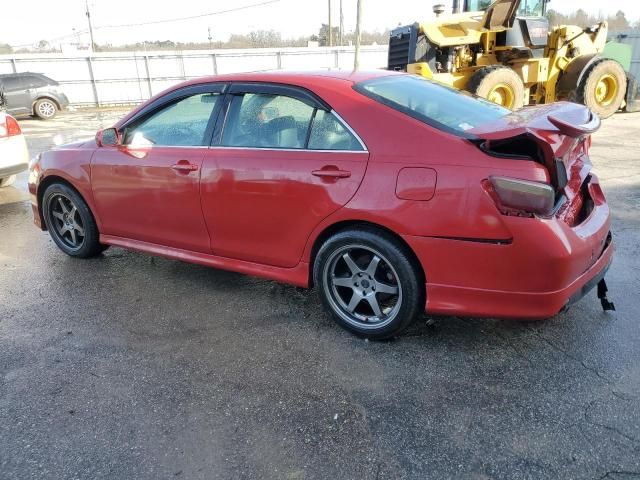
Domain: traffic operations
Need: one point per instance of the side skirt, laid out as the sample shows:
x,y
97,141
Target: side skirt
x,y
298,275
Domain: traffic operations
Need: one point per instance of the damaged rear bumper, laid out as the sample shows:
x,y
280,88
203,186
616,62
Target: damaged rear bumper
x,y
517,305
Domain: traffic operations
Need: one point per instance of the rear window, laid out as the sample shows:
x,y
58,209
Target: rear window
x,y
434,104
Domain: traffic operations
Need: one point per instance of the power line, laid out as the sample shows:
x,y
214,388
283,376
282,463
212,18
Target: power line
x,y
155,22
52,40
169,20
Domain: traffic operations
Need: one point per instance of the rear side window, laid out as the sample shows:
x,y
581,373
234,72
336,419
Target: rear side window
x,y
182,123
33,81
441,107
268,121
279,121
328,133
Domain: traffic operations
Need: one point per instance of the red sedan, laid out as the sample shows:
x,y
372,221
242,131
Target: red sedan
x,y
389,193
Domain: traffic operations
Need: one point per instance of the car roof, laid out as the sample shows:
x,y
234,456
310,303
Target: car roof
x,y
305,79
7,75
295,77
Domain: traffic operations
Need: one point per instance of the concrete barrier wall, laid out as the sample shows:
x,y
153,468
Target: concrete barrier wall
x,y
118,78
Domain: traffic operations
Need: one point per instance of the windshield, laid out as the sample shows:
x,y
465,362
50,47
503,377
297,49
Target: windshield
x,y
432,103
527,8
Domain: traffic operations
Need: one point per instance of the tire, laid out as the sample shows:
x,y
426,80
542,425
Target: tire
x,y
64,212
603,87
45,108
632,97
6,181
499,85
395,283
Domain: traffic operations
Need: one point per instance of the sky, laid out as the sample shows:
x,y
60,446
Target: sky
x,y
292,18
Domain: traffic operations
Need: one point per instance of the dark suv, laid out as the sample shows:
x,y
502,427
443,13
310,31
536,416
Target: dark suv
x,y
32,94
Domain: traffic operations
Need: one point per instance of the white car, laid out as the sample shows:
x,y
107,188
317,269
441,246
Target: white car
x,y
14,156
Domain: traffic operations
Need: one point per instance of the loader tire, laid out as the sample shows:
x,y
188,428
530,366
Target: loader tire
x,y
602,87
499,85
632,98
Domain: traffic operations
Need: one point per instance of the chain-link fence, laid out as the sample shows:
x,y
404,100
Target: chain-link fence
x,y
123,78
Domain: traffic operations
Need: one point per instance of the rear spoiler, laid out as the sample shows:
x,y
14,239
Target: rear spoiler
x,y
569,119
576,131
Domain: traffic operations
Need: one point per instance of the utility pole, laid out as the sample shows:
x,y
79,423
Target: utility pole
x,y
93,45
330,33
210,38
356,57
341,39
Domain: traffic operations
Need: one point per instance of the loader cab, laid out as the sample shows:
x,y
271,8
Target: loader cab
x,y
527,8
521,24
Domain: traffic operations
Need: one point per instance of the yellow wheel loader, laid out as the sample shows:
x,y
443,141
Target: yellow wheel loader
x,y
506,52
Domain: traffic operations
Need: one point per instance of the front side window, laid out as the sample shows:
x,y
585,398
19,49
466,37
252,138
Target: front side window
x,y
182,123
12,84
265,120
527,8
478,5
432,103
531,8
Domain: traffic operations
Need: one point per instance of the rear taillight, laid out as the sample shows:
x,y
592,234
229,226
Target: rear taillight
x,y
521,197
9,127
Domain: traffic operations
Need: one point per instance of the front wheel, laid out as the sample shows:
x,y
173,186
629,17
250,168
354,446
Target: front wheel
x,y
369,283
70,222
498,84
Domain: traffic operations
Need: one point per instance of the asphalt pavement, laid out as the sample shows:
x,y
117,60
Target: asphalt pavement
x,y
130,366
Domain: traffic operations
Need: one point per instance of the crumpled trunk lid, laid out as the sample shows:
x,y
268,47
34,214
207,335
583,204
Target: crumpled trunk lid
x,y
556,135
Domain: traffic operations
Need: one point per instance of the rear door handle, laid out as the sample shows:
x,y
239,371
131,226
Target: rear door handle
x,y
331,173
184,167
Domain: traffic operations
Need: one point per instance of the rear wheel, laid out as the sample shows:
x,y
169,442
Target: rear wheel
x,y
6,181
499,85
70,222
45,108
369,283
603,87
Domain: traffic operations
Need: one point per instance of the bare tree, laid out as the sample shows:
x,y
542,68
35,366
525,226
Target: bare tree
x,y
583,19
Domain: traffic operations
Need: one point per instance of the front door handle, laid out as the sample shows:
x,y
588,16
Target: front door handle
x,y
331,173
184,167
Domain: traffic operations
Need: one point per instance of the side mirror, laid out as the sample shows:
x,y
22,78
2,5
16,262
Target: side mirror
x,y
109,137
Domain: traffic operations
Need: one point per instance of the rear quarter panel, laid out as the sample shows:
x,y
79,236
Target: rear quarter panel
x,y
459,208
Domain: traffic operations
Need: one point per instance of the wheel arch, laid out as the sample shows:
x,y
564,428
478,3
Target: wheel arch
x,y
49,180
342,225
